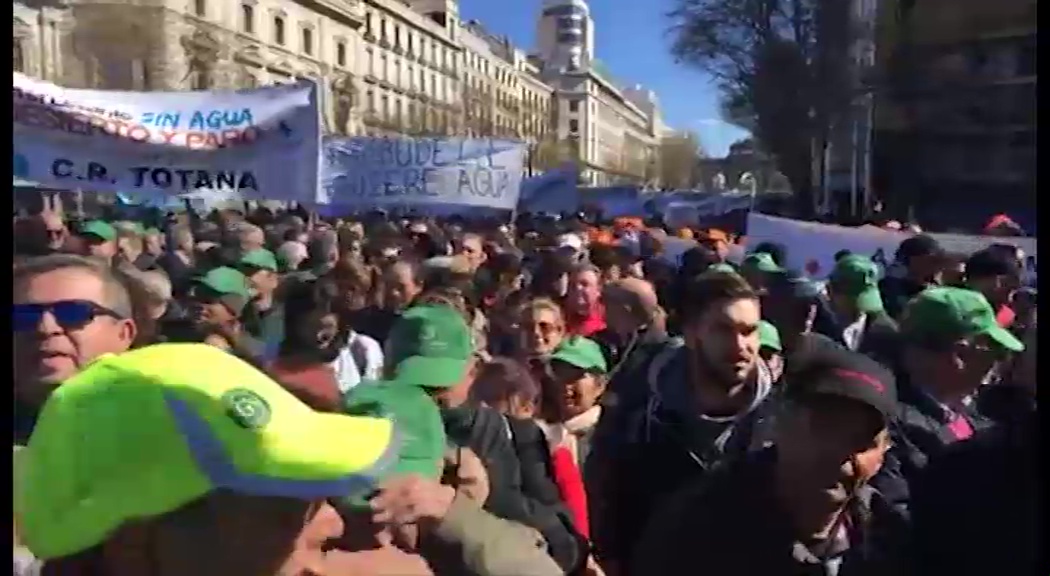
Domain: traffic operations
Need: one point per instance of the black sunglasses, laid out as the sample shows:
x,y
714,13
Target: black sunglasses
x,y
69,314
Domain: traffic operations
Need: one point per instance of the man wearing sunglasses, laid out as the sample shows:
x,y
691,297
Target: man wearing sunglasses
x,y
66,312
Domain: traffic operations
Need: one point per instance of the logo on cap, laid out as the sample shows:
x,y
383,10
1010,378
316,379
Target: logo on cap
x,y
246,408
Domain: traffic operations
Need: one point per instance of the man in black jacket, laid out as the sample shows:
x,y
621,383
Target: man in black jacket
x,y
922,258
677,414
975,507
951,343
802,506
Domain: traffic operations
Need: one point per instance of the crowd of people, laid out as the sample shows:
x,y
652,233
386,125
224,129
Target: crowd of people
x,y
277,394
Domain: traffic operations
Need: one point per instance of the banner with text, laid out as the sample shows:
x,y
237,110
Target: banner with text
x,y
262,143
412,172
811,246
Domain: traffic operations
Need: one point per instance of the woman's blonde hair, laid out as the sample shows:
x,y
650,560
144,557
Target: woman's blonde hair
x,y
543,303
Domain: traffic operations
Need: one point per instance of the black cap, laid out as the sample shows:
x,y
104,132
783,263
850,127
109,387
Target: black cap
x,y
836,371
916,246
987,263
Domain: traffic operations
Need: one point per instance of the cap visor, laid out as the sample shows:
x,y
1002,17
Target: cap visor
x,y
291,462
1005,338
431,372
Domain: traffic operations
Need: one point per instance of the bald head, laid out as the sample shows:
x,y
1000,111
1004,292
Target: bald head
x,y
639,292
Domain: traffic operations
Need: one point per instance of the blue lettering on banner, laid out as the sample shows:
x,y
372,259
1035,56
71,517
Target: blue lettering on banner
x,y
216,119
471,172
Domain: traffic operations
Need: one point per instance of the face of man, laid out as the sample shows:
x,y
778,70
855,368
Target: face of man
x,y
829,447
724,339
154,244
400,287
261,280
585,291
210,309
62,321
474,252
99,248
55,232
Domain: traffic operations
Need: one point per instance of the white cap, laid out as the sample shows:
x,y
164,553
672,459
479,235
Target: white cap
x,y
570,241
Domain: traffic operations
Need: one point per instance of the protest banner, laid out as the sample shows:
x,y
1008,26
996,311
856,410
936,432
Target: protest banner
x,y
364,172
262,143
811,246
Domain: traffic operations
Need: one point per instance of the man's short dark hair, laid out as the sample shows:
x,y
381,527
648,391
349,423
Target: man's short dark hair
x,y
713,287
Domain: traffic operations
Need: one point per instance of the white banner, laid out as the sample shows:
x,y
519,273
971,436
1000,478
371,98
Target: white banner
x,y
407,172
263,143
811,246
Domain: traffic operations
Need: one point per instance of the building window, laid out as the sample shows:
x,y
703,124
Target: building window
x,y
248,18
308,41
200,8
340,54
278,30
385,110
397,36
19,56
370,101
574,105
371,61
368,23
574,126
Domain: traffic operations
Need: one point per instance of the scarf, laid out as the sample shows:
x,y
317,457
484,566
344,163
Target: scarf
x,y
566,433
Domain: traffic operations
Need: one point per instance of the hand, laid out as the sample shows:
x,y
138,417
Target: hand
x,y
410,500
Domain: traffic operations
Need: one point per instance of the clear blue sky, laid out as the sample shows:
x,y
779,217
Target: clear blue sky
x,y
630,38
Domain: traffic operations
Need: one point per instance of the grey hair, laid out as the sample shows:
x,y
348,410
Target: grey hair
x,y
155,282
244,229
117,296
293,251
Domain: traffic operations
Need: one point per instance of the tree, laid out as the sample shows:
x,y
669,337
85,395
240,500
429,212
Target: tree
x,y
677,160
783,70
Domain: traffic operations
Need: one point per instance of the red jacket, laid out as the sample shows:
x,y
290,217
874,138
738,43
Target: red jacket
x,y
570,483
589,325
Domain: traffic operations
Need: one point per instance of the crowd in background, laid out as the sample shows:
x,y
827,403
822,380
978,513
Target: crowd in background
x,y
274,393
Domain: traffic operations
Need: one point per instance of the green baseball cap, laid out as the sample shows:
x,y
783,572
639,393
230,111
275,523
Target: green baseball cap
x,y
582,353
857,277
99,229
430,346
945,313
230,285
762,262
260,258
153,231
144,433
418,421
769,336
